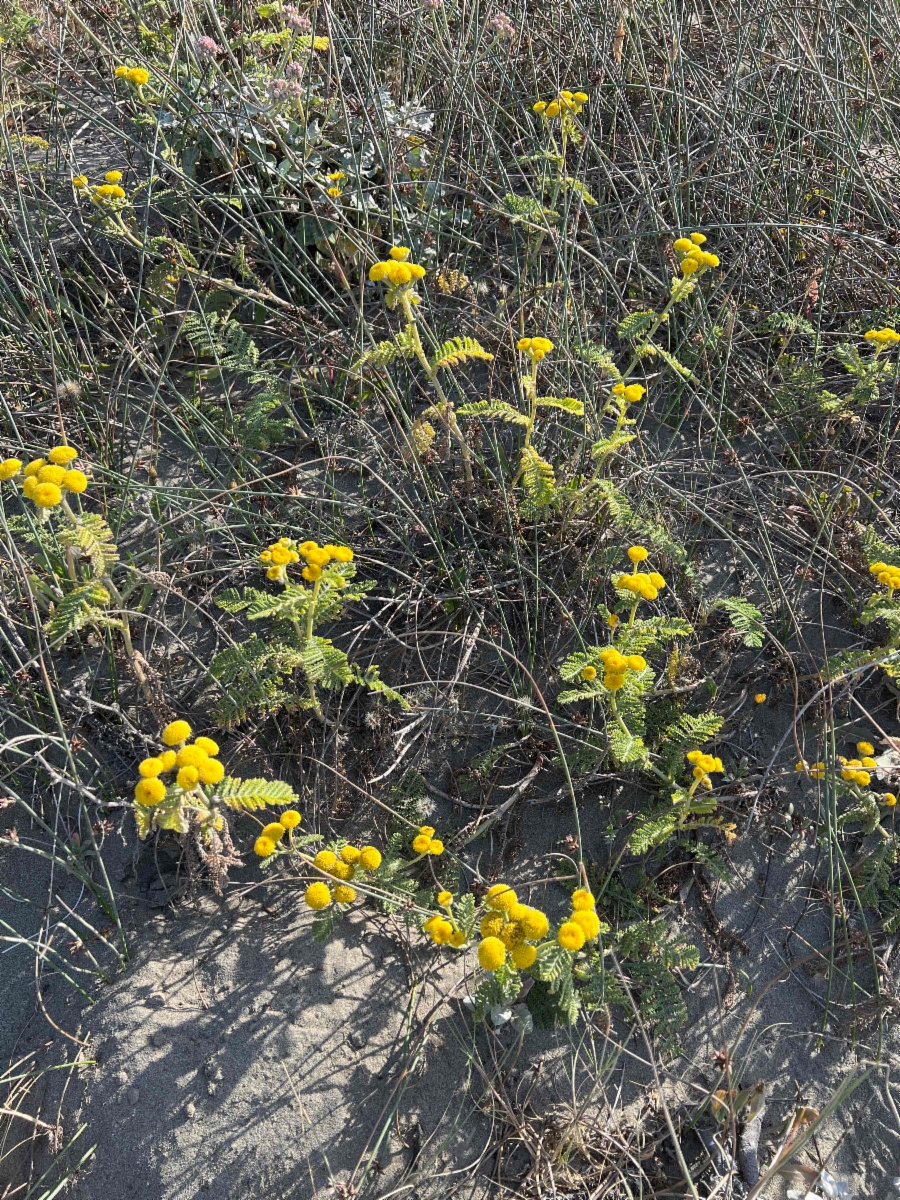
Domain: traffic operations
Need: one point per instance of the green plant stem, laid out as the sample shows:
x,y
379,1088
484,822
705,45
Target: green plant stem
x,y
306,635
444,407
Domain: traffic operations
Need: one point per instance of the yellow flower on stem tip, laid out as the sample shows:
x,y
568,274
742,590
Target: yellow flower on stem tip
x,y
864,748
523,956
176,732
589,673
46,495
344,894
588,920
211,771
889,799
137,76
325,860
187,777
759,698
501,897
120,72
275,831
444,899
570,936
79,182
113,176
491,954
350,854
75,481
420,843
582,900
51,474
369,857
290,818
10,467
150,767
150,791
317,895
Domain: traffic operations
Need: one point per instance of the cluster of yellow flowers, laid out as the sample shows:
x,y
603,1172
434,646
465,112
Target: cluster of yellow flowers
x,y
693,260
397,271
443,930
616,667
566,101
267,842
887,575
138,76
426,843
816,770
582,924
856,770
341,868
704,765
646,585
285,551
509,926
335,178
101,193
632,392
46,480
883,337
195,762
535,347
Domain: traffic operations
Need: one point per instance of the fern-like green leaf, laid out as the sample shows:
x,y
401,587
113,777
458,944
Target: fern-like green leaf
x,y
497,410
636,323
82,606
457,350
679,367
93,539
384,353
745,617
251,794
373,681
566,403
538,479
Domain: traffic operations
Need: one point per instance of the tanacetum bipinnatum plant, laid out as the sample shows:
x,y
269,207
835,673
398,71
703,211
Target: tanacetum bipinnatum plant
x,y
400,277
620,679
184,788
72,552
258,673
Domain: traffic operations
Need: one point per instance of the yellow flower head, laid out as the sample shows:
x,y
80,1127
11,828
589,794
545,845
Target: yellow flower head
x,y
534,924
33,467
570,936
187,777
535,347
176,732
290,818
10,467
275,831
698,238
864,748
325,860
421,843
109,191
344,894
191,756
436,847
612,621
523,956
113,176
501,897
150,791
46,495
210,771
634,392
441,930
582,900
120,72
334,192
207,745
638,553
491,954
138,76
343,870
759,698
310,573
457,938
51,474
889,799
399,253
491,924
369,858
74,481
539,106
317,895
79,181
445,899
689,266
588,920
589,673
167,758
350,854
150,767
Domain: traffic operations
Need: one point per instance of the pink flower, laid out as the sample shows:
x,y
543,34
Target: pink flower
x,y
296,20
206,47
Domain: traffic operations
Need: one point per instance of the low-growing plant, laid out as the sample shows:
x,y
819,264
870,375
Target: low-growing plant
x,y
72,552
257,674
184,788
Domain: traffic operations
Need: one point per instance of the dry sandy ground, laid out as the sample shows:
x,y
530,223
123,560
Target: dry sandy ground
x,y
235,1057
